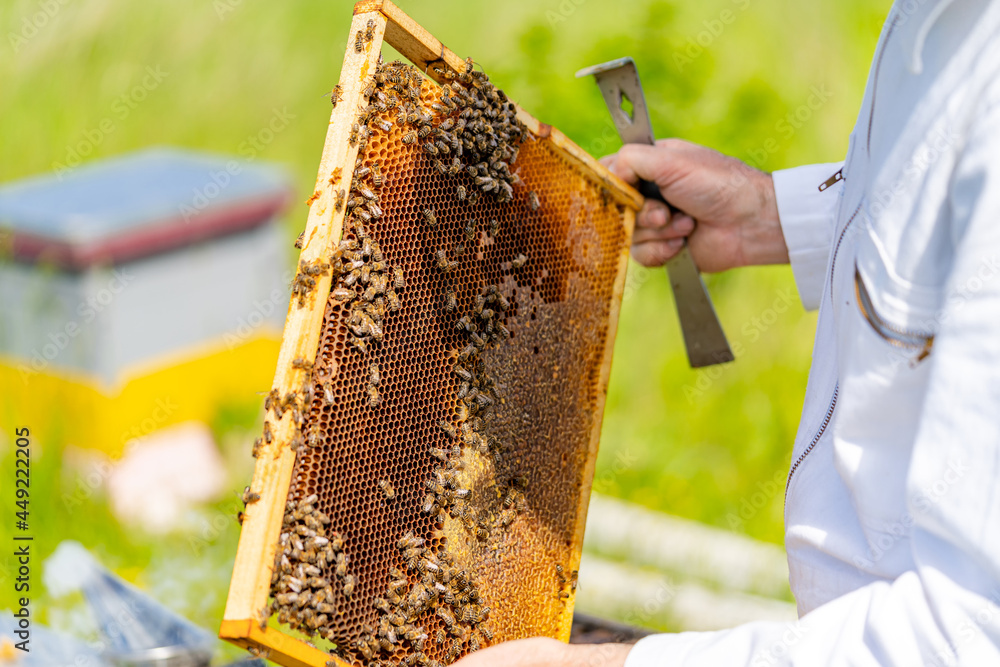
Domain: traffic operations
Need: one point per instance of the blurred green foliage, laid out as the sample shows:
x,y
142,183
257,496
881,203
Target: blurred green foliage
x,y
100,77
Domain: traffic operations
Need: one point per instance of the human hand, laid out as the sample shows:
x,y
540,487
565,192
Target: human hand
x,y
545,652
726,209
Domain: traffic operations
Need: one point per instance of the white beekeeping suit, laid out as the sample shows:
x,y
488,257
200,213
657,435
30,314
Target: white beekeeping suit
x,y
893,499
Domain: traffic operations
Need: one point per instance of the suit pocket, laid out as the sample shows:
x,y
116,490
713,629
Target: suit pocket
x,y
918,341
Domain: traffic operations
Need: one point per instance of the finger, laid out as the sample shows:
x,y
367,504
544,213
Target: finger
x,y
653,215
608,160
636,162
656,253
680,225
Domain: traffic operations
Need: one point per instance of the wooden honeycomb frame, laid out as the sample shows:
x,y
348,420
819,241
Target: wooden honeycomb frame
x,y
274,468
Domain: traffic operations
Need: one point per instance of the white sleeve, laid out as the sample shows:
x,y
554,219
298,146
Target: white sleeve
x,y
807,219
946,610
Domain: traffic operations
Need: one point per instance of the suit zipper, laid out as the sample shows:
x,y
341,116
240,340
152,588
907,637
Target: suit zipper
x,y
815,440
836,389
838,176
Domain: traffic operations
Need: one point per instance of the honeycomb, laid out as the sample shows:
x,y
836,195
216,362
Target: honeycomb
x,y
445,441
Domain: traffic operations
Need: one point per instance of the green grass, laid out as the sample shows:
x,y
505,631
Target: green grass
x,y
703,444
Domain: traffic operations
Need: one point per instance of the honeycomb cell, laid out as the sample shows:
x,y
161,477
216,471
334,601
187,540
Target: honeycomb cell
x,y
435,506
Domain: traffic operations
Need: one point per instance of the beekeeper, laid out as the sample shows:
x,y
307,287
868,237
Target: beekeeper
x,y
892,516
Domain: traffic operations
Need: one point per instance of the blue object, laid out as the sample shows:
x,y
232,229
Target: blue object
x,y
138,204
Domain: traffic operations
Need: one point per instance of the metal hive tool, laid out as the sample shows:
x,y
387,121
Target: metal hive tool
x,y
429,444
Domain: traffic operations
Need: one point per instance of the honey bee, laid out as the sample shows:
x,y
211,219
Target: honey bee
x,y
300,239
446,616
341,569
301,364
387,488
349,583
240,517
519,261
339,201
268,436
250,496
450,300
430,217
359,44
343,295
373,396
494,227
533,201
441,259
375,374
398,280
410,137
422,133
453,650
393,299
470,229
376,331
359,344
376,175
257,444
353,136
487,632
369,30
449,429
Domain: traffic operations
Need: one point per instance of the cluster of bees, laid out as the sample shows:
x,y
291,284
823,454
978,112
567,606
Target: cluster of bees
x,y
367,285
441,587
478,132
302,596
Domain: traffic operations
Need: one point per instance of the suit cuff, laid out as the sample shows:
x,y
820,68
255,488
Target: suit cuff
x,y
808,217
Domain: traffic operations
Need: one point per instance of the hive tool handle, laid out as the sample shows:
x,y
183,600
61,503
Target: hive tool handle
x,y
703,335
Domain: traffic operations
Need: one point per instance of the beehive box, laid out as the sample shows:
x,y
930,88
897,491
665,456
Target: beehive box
x,y
422,481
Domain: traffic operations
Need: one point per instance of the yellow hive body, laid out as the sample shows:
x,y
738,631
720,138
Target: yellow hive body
x,y
430,442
